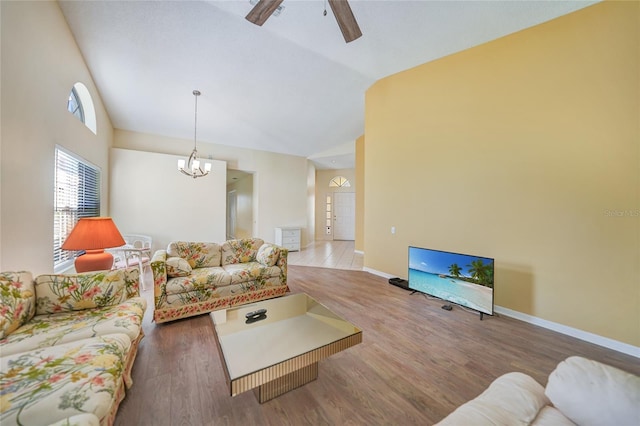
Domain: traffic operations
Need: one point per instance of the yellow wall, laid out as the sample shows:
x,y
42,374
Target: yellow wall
x,y
40,64
525,149
359,243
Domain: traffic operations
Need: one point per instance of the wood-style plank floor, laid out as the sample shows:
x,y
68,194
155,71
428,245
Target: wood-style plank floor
x,y
416,364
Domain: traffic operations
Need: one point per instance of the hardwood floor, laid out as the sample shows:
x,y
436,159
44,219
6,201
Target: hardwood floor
x,y
416,363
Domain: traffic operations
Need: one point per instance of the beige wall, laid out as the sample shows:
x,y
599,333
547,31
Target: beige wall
x,y
150,197
309,235
244,206
323,177
359,243
0,144
525,149
40,64
280,181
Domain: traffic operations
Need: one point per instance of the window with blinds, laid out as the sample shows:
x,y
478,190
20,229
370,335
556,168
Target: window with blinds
x,y
77,195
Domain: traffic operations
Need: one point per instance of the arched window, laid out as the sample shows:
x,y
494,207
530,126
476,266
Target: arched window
x,y
339,182
80,104
74,105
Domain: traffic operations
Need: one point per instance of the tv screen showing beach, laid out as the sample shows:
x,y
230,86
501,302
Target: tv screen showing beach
x,y
462,279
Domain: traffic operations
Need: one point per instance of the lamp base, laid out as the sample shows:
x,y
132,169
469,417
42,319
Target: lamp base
x,y
94,260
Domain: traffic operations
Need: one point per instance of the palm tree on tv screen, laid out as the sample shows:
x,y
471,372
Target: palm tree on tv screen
x,y
480,272
454,270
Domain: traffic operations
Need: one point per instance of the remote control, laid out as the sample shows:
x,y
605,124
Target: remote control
x,y
257,313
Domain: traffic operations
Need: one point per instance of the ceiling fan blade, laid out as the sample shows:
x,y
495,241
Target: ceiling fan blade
x,y
261,11
346,20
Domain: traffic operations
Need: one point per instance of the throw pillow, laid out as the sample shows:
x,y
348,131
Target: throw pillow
x,y
178,267
75,292
17,301
268,255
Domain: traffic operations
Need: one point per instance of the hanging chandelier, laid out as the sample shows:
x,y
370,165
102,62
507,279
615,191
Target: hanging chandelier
x,y
193,168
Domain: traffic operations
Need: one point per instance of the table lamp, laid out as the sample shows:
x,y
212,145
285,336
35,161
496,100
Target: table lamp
x,y
93,234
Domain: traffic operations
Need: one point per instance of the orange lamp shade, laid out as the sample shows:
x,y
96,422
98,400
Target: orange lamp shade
x,y
94,234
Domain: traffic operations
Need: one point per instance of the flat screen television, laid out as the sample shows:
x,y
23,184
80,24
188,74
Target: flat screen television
x,y
463,279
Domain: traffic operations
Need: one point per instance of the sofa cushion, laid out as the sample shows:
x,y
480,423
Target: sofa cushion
x,y
50,384
240,251
178,267
250,271
199,255
64,292
551,416
591,393
54,329
512,399
200,278
17,301
268,254
86,419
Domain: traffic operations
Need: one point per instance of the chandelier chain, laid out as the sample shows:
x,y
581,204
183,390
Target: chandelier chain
x,y
193,166
196,93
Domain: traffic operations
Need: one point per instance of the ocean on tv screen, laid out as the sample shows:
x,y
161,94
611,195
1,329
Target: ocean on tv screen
x,y
458,278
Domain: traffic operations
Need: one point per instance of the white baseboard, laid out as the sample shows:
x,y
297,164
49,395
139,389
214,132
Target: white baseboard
x,y
378,273
569,331
358,252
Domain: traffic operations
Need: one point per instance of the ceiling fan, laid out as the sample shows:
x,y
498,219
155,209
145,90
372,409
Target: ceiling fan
x,y
341,10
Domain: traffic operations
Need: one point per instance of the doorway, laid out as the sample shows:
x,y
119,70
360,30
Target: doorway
x,y
232,212
344,216
240,206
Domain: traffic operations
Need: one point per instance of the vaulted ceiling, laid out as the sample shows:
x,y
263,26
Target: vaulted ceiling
x,y
291,86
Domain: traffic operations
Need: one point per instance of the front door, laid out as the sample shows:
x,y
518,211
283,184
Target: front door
x,y
344,216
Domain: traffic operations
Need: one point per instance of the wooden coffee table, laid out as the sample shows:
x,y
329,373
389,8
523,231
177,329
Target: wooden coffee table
x,y
279,351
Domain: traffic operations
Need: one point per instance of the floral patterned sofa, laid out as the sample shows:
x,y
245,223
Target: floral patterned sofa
x,y
192,278
67,345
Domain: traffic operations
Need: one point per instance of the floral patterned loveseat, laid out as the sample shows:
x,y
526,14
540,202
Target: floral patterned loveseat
x,y
192,278
67,345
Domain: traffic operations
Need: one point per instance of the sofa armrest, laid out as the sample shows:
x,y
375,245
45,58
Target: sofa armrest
x,y
159,269
282,264
592,393
17,300
513,398
132,281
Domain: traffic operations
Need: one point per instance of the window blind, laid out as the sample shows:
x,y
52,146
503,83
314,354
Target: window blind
x,y
77,195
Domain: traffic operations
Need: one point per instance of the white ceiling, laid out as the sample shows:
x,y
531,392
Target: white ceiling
x,y
291,86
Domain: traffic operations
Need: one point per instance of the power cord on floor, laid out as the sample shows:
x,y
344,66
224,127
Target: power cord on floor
x,y
464,308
